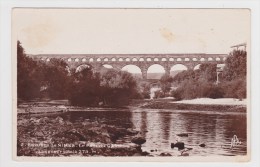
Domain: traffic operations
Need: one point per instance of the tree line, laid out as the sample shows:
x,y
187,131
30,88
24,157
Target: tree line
x,y
202,82
108,87
53,80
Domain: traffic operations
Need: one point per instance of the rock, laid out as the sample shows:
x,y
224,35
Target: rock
x,y
34,120
145,153
39,134
184,154
138,140
59,120
137,154
183,135
189,148
153,150
43,120
131,131
179,145
165,154
77,134
202,145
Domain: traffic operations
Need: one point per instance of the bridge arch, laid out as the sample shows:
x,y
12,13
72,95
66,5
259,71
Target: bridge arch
x,y
164,59
155,59
155,71
107,66
105,59
141,59
197,67
83,66
194,59
134,59
91,60
148,59
175,69
202,59
127,59
133,69
210,59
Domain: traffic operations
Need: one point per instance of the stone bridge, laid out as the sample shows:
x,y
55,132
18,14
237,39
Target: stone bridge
x,y
143,61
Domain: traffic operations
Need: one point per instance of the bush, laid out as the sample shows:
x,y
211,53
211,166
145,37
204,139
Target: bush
x,y
191,89
235,88
215,92
159,94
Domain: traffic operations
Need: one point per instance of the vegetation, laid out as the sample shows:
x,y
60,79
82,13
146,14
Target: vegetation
x,y
83,88
202,82
53,80
28,83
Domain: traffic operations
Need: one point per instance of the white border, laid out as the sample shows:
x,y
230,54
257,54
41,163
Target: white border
x,y
6,74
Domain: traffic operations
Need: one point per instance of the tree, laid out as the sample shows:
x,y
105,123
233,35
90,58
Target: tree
x,y
208,72
56,79
144,89
28,76
165,83
85,88
117,87
235,65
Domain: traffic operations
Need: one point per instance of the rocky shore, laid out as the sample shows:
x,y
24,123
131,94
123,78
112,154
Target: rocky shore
x,y
46,130
55,136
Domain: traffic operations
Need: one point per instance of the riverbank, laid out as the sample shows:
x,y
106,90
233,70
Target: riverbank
x,y
59,136
113,132
203,104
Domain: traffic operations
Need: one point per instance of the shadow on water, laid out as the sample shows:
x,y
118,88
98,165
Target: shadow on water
x,y
161,128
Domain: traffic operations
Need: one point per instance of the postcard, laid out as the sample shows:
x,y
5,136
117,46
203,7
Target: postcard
x,y
128,84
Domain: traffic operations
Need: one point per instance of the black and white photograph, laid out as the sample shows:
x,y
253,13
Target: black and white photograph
x,y
151,84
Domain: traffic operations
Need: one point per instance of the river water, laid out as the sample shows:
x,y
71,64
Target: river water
x,y
160,129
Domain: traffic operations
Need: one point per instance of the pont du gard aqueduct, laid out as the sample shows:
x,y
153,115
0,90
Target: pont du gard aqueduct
x,y
143,61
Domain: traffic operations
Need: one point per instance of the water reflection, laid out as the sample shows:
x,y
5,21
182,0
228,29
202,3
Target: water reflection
x,y
213,129
160,128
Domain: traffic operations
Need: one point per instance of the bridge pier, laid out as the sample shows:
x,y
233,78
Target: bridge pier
x,y
167,70
144,73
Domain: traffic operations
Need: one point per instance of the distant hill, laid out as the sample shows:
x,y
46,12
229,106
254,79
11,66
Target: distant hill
x,y
173,73
156,75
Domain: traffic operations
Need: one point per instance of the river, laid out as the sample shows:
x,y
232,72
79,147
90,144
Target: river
x,y
160,129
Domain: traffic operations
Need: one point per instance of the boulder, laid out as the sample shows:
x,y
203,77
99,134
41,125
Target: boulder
x,y
131,131
184,154
179,145
138,140
165,154
202,145
145,153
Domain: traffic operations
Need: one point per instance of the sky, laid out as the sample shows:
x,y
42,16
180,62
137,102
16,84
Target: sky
x,y
130,31
97,31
